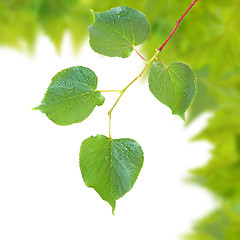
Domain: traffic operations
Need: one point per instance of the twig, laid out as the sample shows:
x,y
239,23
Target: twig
x,y
178,22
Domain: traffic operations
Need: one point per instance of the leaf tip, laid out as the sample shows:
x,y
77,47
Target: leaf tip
x,y
37,108
113,213
182,116
113,208
93,12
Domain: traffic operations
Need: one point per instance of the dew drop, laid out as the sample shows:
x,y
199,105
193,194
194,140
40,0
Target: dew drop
x,y
122,14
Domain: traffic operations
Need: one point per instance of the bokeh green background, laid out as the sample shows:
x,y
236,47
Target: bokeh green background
x,y
208,40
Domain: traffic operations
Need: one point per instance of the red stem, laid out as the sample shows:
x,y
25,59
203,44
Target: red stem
x,y
139,54
178,22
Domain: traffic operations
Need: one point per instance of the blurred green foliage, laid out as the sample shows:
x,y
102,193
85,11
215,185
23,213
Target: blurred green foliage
x,y
208,40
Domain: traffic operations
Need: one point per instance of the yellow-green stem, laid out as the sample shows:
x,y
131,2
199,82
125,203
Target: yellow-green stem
x,y
124,90
109,91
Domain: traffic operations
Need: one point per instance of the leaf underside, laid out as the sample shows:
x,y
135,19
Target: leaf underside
x,y
71,96
115,32
173,85
110,166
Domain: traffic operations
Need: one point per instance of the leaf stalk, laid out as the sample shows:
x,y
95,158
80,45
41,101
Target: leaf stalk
x,y
109,91
139,54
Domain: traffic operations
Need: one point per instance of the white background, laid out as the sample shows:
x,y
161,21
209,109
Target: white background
x,y
42,194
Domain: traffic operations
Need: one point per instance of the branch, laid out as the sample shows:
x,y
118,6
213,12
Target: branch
x,y
148,63
178,22
124,90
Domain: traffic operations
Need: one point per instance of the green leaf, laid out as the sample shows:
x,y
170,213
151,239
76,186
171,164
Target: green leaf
x,y
115,32
222,224
173,85
110,166
221,174
71,96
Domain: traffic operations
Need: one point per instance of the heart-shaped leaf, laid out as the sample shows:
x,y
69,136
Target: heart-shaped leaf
x,y
115,32
110,166
71,96
173,85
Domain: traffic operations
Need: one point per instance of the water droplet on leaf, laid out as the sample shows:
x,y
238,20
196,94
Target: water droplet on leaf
x,y
122,14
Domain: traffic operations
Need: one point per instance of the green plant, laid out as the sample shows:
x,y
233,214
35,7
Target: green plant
x,y
111,166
